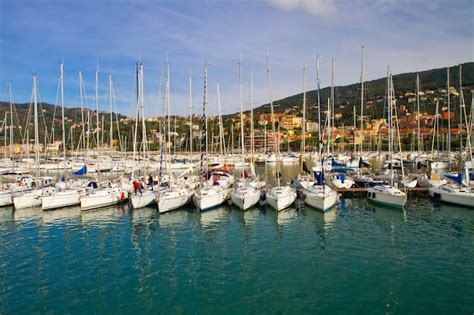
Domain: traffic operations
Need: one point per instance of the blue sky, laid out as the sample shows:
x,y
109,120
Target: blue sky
x,y
408,35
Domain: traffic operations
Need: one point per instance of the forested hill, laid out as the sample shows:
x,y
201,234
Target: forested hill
x,y
348,96
46,112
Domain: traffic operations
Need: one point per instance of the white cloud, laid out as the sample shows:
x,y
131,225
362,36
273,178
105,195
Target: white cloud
x,y
314,7
285,4
319,7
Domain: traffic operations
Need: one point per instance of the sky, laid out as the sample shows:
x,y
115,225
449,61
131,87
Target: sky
x,y
35,36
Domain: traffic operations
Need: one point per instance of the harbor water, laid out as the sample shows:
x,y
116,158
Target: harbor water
x,y
357,258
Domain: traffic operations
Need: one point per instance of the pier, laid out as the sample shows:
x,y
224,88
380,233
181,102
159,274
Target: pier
x,y
363,190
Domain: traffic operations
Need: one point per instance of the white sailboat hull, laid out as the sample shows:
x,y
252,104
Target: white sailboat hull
x,y
343,184
28,199
142,200
6,198
209,197
457,196
321,198
61,199
280,198
245,198
103,198
173,199
390,196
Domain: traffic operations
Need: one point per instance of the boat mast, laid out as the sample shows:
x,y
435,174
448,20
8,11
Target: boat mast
x,y
461,105
35,102
242,144
276,146
168,117
303,123
135,131
169,121
318,83
97,106
190,119
448,140
361,100
204,129
81,100
61,67
331,117
142,107
252,138
221,129
418,112
332,106
390,124
111,136
11,119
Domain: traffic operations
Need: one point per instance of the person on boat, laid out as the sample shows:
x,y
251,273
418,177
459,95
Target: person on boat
x,y
137,186
150,182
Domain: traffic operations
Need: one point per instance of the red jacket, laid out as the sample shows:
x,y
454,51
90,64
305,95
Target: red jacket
x,y
136,185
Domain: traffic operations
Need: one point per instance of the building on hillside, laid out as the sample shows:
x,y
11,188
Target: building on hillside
x,y
266,118
263,140
312,126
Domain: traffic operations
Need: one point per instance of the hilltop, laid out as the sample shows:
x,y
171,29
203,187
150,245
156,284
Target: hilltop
x,y
347,96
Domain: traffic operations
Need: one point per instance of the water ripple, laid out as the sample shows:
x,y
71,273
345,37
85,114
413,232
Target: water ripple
x,y
358,257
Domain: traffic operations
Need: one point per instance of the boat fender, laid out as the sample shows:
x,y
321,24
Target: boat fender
x,y
263,196
122,196
437,197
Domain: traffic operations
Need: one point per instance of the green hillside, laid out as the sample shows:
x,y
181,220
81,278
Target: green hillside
x,y
348,96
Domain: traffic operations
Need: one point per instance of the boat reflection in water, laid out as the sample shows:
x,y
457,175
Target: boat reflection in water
x,y
330,217
27,214
143,215
286,216
6,214
251,216
212,217
62,215
173,218
102,216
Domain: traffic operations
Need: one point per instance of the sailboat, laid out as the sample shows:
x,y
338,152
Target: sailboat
x,y
207,196
389,194
32,197
145,197
252,180
340,178
113,193
173,196
319,195
304,178
59,197
459,192
243,196
279,197
360,162
6,198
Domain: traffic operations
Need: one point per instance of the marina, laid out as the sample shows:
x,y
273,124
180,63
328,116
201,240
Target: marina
x,y
358,256
236,157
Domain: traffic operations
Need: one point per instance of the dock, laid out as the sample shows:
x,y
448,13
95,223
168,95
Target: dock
x,y
363,190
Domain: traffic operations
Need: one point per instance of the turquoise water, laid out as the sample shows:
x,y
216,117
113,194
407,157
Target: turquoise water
x,y
358,258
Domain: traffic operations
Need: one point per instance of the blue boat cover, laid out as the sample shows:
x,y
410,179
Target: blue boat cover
x,y
319,176
457,177
334,163
81,172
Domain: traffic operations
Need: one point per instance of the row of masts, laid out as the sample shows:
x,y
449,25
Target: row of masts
x,y
84,144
